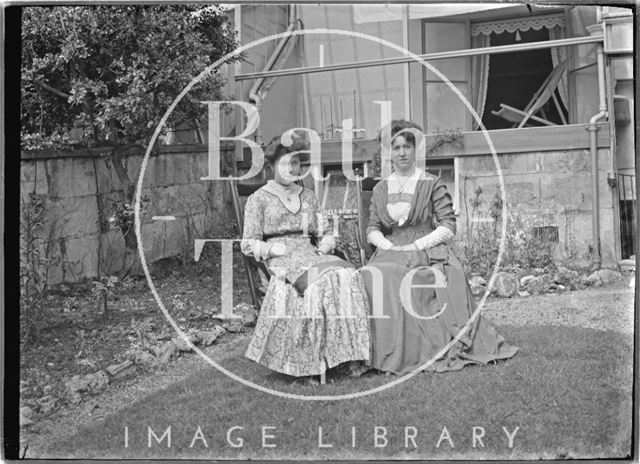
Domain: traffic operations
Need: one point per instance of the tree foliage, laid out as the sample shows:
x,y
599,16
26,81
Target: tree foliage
x,y
107,74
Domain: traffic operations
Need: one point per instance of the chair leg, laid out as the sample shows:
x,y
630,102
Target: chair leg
x,y
555,100
323,375
363,257
252,285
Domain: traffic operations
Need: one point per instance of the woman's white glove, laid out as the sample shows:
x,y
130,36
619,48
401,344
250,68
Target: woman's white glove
x,y
278,249
377,239
324,248
435,238
326,245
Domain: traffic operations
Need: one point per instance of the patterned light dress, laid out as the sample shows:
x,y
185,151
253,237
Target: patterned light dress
x,y
328,325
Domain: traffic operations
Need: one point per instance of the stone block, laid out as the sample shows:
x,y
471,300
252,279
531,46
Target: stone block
x,y
477,165
166,351
505,285
33,177
27,171
185,168
571,190
604,160
565,162
81,257
178,200
77,216
70,177
182,345
628,265
132,163
207,337
153,240
55,275
233,326
113,249
98,382
162,239
108,180
47,404
519,163
478,285
524,281
174,237
609,276
92,383
201,164
172,168
191,198
520,192
565,276
121,370
539,284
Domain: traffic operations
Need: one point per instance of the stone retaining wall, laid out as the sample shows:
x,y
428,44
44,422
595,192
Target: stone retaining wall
x,y
73,186
550,188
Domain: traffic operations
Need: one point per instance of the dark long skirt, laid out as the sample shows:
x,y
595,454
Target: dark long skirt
x,y
403,342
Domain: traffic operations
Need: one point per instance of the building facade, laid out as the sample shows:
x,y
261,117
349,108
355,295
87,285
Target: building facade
x,y
568,169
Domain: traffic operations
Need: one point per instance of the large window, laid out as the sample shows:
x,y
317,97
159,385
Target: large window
x,y
489,80
514,78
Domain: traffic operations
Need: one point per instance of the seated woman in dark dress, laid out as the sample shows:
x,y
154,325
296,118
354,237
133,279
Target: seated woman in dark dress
x,y
411,220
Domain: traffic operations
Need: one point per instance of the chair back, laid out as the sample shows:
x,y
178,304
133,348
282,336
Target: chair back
x,y
239,190
547,88
363,185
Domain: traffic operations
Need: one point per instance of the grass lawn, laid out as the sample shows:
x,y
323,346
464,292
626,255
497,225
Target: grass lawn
x,y
568,393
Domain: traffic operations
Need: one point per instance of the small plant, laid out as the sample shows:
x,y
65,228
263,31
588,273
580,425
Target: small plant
x,y
448,137
479,246
103,289
124,217
33,260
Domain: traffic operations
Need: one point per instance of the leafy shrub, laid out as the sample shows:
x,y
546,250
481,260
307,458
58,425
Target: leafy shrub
x,y
479,246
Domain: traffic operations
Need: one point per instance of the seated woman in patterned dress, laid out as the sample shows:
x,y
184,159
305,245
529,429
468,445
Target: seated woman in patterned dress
x,y
411,221
315,312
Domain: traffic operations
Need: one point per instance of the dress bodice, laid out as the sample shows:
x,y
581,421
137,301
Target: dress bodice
x,y
268,220
431,206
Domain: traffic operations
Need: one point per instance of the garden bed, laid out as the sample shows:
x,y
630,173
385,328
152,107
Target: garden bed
x,y
74,340
71,338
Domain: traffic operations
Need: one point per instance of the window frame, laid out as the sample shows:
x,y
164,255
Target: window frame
x,y
468,119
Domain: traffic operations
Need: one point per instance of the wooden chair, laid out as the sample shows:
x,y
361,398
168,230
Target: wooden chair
x,y
244,190
239,190
544,93
363,185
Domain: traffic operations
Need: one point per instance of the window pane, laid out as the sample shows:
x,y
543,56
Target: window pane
x,y
442,37
445,109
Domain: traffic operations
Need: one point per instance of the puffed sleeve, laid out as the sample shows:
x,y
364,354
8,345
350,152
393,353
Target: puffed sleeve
x,y
443,206
252,244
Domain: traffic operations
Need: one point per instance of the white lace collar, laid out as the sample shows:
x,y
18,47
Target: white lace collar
x,y
289,195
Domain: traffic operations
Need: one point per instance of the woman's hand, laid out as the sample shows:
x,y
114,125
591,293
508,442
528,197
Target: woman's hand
x,y
279,249
323,249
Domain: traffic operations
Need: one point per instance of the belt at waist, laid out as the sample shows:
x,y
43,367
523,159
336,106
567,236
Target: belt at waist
x,y
266,237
